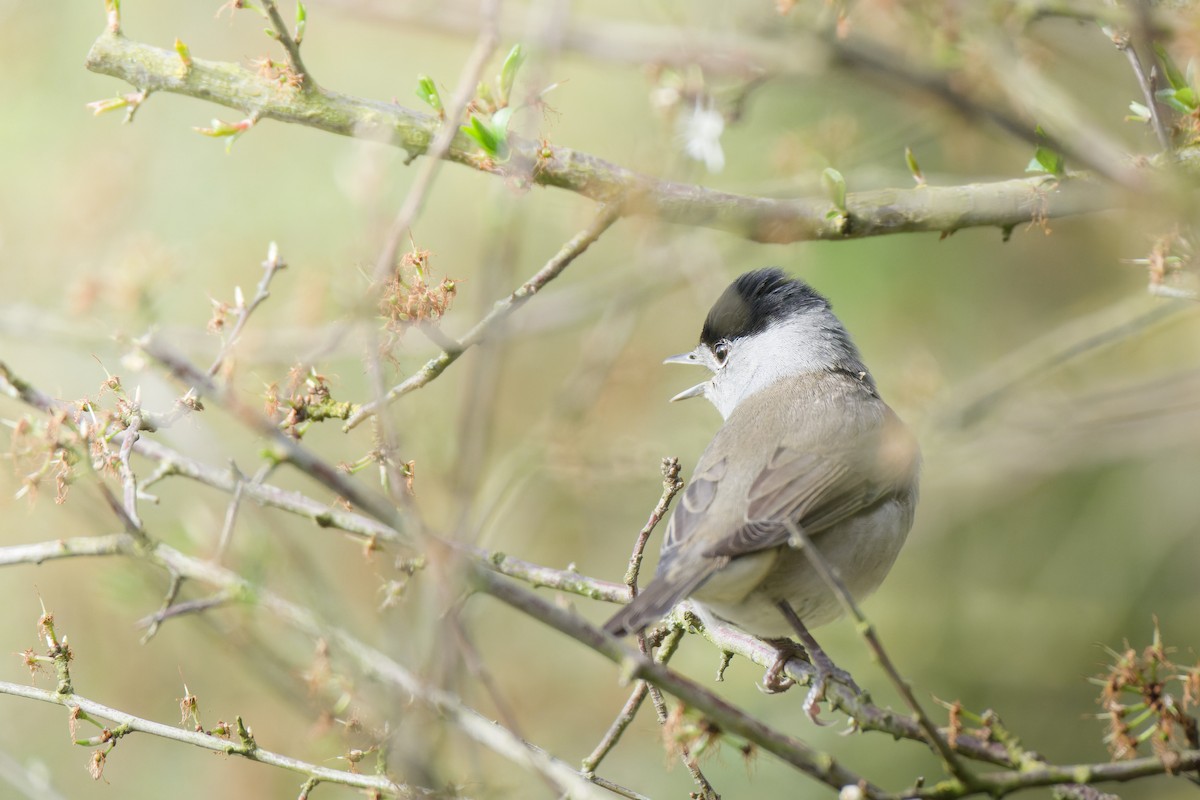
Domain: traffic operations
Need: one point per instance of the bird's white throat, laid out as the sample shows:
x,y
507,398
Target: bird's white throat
x,y
812,341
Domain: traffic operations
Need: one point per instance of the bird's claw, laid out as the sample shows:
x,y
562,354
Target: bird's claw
x,y
825,670
815,695
776,679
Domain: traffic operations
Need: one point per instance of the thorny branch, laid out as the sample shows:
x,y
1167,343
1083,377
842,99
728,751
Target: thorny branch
x,y
939,209
126,723
271,266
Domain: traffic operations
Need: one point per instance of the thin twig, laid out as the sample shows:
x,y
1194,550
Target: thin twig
x,y
154,621
718,51
671,486
627,713
800,539
575,247
1077,337
485,44
291,47
615,788
665,651
613,735
169,610
1125,45
128,723
128,477
271,266
231,512
479,671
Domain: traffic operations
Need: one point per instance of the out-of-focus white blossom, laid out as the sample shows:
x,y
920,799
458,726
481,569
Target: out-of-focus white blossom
x,y
851,792
701,129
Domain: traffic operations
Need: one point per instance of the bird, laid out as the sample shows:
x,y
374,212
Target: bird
x,y
807,443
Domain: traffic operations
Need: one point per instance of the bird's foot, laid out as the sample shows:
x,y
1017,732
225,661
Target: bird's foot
x,y
775,679
824,671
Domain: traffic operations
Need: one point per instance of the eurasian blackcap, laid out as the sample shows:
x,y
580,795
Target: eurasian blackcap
x,y
807,439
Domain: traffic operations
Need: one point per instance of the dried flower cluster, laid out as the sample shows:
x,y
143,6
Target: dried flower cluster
x,y
50,448
409,296
1148,697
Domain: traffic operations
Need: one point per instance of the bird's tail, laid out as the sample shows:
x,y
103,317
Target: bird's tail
x,y
653,602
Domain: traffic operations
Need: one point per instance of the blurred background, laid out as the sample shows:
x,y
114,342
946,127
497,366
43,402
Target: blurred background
x,y
1054,397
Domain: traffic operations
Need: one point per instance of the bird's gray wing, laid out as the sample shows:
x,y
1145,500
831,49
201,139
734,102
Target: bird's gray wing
x,y
816,490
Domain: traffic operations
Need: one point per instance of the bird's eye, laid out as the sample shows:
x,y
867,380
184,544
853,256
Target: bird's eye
x,y
721,351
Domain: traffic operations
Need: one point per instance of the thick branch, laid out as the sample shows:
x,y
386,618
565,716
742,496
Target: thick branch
x,y
870,213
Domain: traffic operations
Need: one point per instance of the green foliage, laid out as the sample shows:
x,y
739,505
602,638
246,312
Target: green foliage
x,y
185,55
835,186
913,166
427,92
1046,159
491,135
508,73
1180,95
301,22
229,131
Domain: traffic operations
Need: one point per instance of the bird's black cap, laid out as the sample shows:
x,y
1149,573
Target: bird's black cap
x,y
754,301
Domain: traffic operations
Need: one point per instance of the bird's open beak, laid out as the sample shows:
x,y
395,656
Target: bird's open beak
x,y
692,357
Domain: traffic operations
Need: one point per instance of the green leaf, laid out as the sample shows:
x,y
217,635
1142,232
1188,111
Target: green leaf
x,y
1172,98
500,122
481,132
835,187
185,55
1174,76
99,107
428,92
486,99
913,166
508,72
301,21
1047,160
230,131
